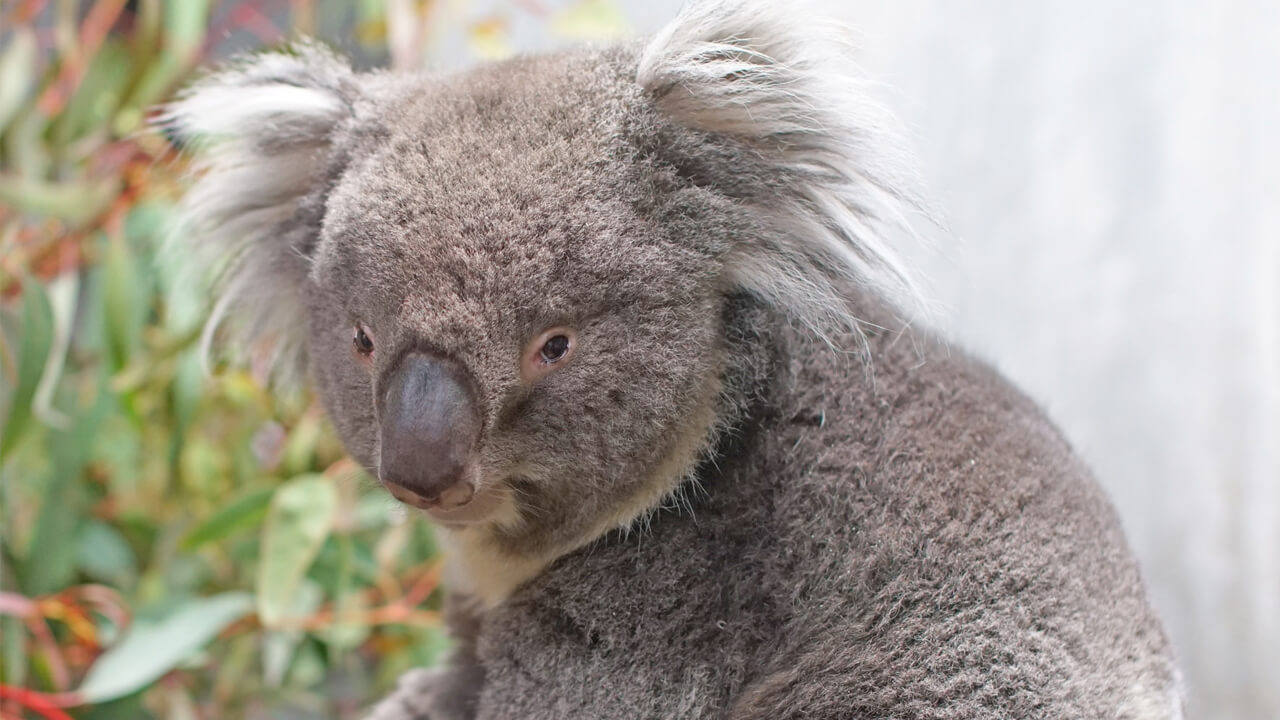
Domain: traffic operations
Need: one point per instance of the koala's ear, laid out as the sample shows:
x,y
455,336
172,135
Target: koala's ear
x,y
261,131
815,160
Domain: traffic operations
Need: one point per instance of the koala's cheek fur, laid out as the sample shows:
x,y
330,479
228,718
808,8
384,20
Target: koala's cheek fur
x,y
602,441
343,383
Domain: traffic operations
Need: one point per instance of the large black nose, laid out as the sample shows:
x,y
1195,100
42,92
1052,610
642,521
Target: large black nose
x,y
429,428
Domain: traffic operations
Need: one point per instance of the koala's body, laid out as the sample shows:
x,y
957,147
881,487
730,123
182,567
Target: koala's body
x,y
626,325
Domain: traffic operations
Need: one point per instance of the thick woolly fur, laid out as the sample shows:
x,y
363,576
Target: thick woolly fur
x,y
840,187
755,491
264,130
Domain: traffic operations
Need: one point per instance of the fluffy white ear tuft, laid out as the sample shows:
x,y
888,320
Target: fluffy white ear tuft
x,y
262,131
836,186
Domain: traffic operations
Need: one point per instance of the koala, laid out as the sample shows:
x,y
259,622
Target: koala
x,y
629,327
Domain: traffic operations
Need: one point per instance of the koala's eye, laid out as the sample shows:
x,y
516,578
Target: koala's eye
x,y
554,348
362,341
547,352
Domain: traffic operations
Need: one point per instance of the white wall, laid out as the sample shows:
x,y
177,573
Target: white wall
x,y
1111,173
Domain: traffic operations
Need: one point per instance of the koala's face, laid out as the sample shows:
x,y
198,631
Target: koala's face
x,y
511,284
499,330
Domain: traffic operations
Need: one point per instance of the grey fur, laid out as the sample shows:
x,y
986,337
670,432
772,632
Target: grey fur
x,y
714,511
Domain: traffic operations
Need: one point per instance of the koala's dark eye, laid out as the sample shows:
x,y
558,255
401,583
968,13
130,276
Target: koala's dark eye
x,y
547,352
554,348
362,341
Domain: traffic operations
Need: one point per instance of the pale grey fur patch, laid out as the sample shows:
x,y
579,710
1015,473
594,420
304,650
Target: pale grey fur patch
x,y
787,88
263,127
1159,702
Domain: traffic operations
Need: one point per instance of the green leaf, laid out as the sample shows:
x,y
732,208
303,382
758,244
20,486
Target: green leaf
x,y
231,673
26,153
124,299
62,293
74,202
374,509
298,521
35,337
187,388
51,563
279,646
17,76
244,512
185,23
347,631
150,649
13,650
97,95
104,554
300,450
308,666
130,707
431,652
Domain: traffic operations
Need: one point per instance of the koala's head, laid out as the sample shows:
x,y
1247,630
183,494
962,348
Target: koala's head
x,y
510,284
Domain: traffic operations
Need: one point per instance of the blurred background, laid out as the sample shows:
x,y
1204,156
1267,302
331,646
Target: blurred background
x,y
181,545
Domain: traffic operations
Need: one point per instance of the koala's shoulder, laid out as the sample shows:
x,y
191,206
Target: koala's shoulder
x,y
909,439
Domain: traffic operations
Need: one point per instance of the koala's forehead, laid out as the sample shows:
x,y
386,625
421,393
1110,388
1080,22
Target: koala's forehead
x,y
512,181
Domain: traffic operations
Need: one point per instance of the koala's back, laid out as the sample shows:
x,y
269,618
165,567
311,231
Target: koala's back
x,y
907,536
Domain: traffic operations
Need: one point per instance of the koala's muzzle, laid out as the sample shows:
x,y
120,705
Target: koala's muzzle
x,y
429,426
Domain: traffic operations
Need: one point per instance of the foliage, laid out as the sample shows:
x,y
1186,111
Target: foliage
x,y
174,543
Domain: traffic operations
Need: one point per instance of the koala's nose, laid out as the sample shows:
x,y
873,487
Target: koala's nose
x,y
429,427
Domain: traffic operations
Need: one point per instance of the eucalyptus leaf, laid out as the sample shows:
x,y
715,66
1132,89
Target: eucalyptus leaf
x,y
308,667
17,61
26,154
300,450
97,95
124,298
185,23
75,202
279,646
130,707
240,514
432,651
104,554
299,520
63,505
348,630
150,649
13,650
62,300
36,337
